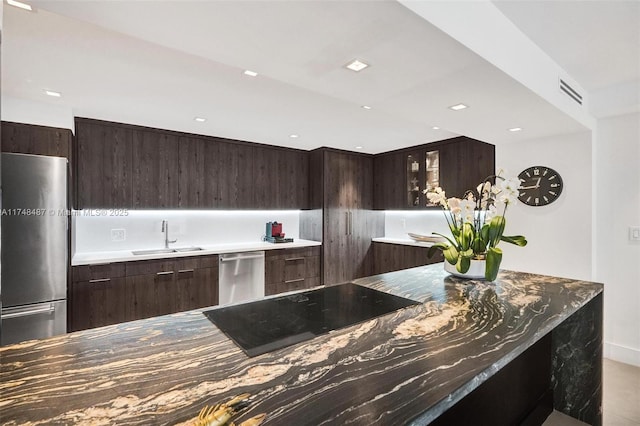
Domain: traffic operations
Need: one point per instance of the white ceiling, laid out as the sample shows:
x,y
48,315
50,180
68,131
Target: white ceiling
x,y
162,63
596,42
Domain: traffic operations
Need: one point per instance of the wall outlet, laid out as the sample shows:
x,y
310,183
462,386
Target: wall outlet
x,y
634,233
118,235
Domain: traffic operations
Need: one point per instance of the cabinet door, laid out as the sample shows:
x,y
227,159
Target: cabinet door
x,y
389,182
464,163
192,185
293,180
196,288
37,140
104,165
266,186
97,303
235,178
394,257
155,172
348,224
141,296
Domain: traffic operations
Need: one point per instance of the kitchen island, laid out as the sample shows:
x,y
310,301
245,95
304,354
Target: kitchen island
x,y
412,366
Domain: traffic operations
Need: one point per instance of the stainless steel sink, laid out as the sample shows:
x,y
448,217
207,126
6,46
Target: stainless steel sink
x,y
183,249
168,250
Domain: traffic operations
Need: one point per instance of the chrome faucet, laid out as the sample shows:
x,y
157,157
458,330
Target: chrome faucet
x,y
165,229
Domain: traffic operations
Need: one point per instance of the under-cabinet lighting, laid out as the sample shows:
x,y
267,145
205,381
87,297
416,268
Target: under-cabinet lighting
x,y
458,107
200,119
515,129
52,93
20,5
250,73
356,65
358,147
294,136
436,128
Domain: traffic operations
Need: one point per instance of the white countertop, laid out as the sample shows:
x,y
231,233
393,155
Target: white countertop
x,y
97,257
406,242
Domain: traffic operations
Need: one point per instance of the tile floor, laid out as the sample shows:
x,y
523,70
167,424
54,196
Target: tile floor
x,y
621,398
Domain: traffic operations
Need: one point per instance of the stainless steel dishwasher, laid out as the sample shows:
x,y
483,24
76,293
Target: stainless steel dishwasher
x,y
241,277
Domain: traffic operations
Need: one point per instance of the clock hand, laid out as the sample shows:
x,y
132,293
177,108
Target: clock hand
x,y
537,185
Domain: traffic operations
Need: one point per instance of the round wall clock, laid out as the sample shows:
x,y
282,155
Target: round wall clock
x,y
540,186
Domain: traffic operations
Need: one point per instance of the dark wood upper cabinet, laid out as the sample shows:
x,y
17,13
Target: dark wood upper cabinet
x,y
103,165
38,140
456,165
155,170
122,165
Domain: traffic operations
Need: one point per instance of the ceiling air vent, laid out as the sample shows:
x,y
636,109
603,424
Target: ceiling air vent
x,y
570,91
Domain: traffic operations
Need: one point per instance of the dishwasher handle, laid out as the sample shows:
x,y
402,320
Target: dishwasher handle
x,y
230,259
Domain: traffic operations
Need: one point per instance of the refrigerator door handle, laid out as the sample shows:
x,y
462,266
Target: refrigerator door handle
x,y
27,311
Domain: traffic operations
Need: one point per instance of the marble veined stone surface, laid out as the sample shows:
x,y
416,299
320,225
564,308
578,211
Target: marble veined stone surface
x,y
406,367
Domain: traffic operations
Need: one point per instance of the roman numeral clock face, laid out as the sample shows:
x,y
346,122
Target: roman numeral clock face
x,y
540,186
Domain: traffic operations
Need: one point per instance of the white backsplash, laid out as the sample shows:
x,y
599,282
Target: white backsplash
x,y
93,229
398,223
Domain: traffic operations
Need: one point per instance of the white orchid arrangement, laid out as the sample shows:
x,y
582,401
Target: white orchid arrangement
x,y
476,223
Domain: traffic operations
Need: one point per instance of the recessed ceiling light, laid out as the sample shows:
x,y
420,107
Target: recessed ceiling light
x,y
436,128
52,93
250,73
515,129
19,4
366,107
200,119
356,65
458,107
294,136
358,147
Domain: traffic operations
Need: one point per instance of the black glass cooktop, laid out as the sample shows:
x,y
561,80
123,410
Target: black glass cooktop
x,y
266,325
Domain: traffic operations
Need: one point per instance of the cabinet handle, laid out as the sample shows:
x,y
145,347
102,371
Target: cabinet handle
x,y
346,215
164,273
291,259
184,271
100,280
294,281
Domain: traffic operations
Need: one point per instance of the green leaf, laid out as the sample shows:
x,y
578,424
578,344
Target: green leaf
x,y
451,255
484,233
478,246
453,243
494,257
466,236
496,228
467,253
463,264
518,240
436,246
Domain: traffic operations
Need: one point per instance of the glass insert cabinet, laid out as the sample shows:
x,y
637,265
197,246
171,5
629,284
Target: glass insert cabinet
x,y
423,173
455,165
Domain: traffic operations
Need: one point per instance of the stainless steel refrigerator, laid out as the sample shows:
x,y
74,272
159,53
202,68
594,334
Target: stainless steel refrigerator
x,y
33,288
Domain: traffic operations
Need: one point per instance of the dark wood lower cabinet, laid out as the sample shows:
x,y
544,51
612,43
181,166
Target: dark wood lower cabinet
x,y
394,257
291,269
109,294
97,303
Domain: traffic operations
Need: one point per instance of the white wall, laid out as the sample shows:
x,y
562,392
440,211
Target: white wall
x,y
558,235
92,228
617,206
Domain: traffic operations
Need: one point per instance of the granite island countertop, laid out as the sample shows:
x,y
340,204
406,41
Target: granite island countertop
x,y
410,365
